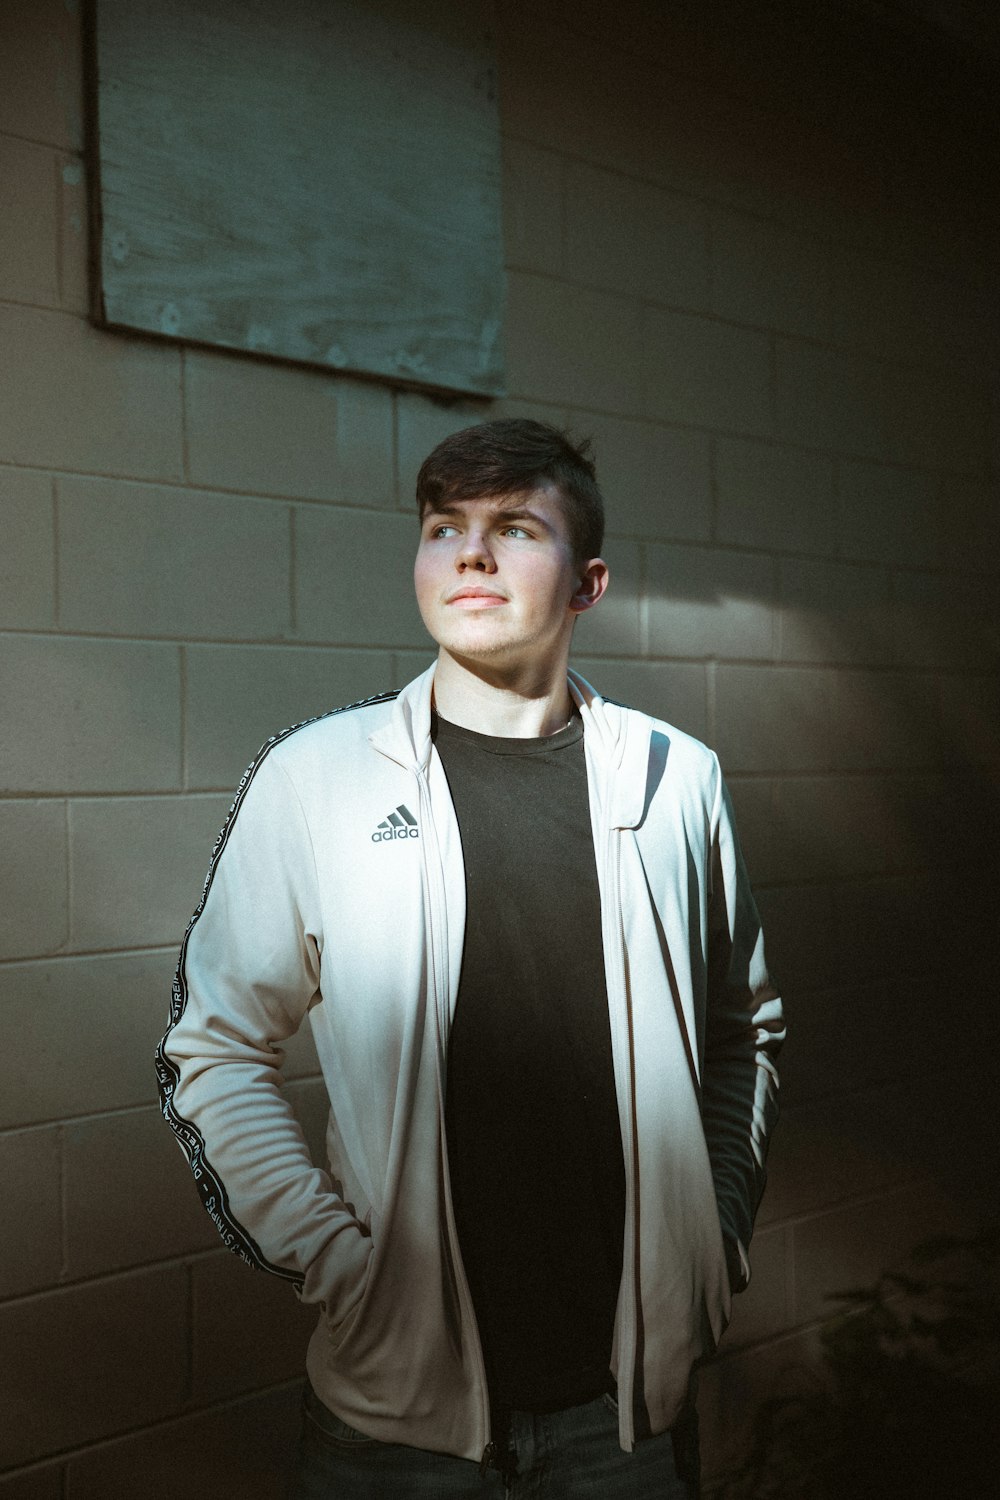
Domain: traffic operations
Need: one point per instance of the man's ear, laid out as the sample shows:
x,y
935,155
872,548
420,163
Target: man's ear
x,y
593,581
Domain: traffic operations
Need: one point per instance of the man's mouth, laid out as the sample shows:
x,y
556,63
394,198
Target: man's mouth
x,y
473,598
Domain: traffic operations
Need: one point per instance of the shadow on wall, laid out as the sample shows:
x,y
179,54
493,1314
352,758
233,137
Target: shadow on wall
x,y
906,1400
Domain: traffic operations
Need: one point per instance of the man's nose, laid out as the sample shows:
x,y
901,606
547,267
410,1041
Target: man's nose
x,y
475,552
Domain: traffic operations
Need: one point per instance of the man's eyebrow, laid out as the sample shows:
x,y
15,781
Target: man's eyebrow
x,y
501,512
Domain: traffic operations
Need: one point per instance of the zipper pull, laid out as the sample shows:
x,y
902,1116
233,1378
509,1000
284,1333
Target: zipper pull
x,y
496,1456
489,1459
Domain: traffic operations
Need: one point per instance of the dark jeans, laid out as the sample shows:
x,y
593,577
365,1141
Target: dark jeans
x,y
565,1455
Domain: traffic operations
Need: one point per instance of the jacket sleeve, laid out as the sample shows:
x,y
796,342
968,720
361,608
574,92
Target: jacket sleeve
x,y
744,1031
248,970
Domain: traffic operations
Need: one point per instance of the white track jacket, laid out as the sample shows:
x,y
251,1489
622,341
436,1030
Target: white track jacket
x,y
337,889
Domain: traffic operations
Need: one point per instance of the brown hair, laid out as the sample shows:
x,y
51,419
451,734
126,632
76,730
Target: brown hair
x,y
513,456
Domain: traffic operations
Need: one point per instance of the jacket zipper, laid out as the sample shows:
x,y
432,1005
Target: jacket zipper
x,y
615,960
439,968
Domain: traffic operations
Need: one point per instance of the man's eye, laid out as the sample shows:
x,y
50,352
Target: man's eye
x,y
443,531
514,531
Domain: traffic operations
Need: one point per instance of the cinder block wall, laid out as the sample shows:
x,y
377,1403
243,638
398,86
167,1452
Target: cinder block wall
x,y
758,267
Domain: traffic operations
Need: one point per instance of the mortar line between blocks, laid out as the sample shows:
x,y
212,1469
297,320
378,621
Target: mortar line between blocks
x,y
183,717
711,724
155,1426
643,603
563,215
293,580
56,584
713,488
397,498
68,834
63,1211
185,451
57,170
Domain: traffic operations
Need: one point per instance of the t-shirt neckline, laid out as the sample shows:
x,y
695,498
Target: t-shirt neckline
x,y
494,744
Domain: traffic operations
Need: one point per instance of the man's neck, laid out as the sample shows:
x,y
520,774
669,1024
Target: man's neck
x,y
510,706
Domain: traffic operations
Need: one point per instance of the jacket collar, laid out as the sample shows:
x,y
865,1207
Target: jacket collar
x,y
616,740
406,735
617,743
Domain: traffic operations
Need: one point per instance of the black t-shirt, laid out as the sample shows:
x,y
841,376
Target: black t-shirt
x,y
534,1141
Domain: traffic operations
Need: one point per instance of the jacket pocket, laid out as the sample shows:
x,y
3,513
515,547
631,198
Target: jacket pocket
x,y
337,1328
339,1332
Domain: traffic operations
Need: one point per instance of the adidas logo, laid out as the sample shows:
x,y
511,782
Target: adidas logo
x,y
400,824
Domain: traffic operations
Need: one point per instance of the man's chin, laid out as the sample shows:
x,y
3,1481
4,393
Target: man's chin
x,y
501,650
468,653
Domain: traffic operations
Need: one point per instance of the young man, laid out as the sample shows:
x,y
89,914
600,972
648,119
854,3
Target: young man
x,y
518,918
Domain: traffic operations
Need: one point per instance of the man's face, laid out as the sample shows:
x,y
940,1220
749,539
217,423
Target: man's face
x,y
496,579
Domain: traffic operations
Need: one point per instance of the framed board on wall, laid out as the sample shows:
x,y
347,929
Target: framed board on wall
x,y
317,181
